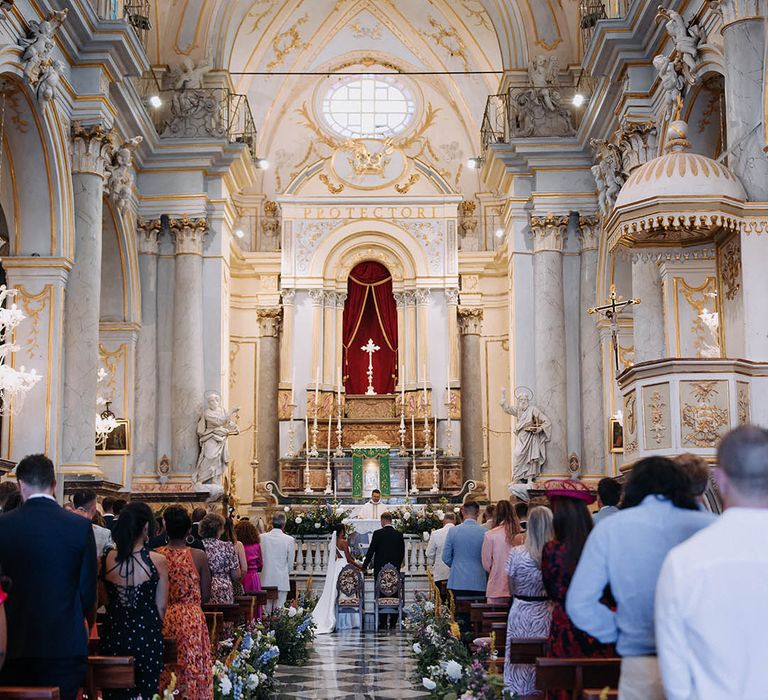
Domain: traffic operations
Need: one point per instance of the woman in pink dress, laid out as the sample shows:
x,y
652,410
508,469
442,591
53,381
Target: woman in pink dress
x,y
497,545
248,534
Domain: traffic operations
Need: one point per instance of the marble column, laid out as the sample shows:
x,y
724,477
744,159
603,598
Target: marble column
x,y
401,339
648,315
744,58
411,371
422,297
452,304
288,298
91,150
329,339
145,420
341,299
267,424
187,372
470,330
316,370
593,445
549,332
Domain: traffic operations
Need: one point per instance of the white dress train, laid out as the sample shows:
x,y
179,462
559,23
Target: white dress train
x,y
324,613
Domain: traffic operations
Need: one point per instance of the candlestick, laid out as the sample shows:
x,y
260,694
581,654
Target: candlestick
x,y
293,386
314,451
291,452
435,473
402,451
328,458
334,489
307,485
448,450
414,488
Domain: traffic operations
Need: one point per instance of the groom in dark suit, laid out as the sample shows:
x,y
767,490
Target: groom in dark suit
x,y
387,547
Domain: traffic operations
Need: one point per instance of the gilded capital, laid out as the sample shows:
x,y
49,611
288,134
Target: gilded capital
x,y
589,232
92,148
269,321
470,320
548,232
147,232
188,234
733,10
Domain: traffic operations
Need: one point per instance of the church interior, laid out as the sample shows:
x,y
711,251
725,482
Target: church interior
x,y
277,254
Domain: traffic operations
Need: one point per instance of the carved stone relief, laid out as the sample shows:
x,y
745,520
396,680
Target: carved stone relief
x,y
630,422
704,412
743,403
729,267
657,417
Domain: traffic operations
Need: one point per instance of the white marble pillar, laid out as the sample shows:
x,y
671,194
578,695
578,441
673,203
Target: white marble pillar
x,y
744,52
267,423
471,329
187,372
648,315
91,149
593,445
145,422
549,332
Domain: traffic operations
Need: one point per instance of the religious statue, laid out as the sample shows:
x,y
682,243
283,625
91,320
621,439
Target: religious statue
x,y
120,179
50,77
686,38
533,430
189,76
672,84
608,172
542,76
538,109
213,430
38,46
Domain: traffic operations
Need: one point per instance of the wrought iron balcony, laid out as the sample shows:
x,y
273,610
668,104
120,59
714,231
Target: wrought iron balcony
x,y
135,12
592,11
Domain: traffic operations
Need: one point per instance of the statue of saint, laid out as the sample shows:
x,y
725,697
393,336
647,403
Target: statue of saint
x,y
213,430
533,430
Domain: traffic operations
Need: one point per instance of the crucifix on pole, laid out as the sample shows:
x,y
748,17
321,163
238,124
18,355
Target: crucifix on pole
x,y
370,348
611,310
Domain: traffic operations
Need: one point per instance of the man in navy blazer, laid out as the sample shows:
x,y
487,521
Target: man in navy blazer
x,y
462,552
49,556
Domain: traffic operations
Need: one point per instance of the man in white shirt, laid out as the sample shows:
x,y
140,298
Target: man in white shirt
x,y
711,612
278,551
440,570
374,508
84,502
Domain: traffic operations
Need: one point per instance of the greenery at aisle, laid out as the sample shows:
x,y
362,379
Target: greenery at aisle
x,y
314,520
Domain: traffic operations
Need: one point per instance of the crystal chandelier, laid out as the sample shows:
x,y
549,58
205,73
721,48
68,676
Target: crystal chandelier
x,y
106,422
14,383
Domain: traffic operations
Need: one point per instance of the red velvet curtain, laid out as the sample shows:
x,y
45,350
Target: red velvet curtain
x,y
370,313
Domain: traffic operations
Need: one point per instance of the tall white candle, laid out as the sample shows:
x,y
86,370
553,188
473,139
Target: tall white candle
x,y
306,427
330,418
434,454
334,489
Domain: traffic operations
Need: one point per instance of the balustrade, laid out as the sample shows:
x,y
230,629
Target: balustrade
x,y
592,11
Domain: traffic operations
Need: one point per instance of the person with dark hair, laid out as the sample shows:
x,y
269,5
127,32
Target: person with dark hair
x,y
387,547
463,553
489,516
373,509
572,524
521,511
608,498
12,502
697,470
84,503
711,609
50,557
229,535
279,552
222,559
434,553
248,536
497,544
189,585
135,581
626,552
106,506
7,489
197,515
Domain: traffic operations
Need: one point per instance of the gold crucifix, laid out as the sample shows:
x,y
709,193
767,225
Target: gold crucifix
x,y
611,309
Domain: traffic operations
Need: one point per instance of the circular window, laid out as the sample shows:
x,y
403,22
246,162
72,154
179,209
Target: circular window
x,y
368,106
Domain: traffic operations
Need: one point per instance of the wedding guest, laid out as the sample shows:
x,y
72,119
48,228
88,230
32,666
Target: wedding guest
x,y
608,498
711,613
279,552
697,470
12,502
84,502
106,506
531,610
189,585
229,535
440,570
197,515
248,535
572,524
387,547
521,511
222,559
160,539
497,545
7,489
49,555
135,582
489,516
373,509
463,553
626,552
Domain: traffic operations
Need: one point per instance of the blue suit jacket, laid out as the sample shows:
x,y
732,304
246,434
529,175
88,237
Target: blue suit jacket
x,y
463,553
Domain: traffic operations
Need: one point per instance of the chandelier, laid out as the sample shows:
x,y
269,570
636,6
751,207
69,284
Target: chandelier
x,y
14,383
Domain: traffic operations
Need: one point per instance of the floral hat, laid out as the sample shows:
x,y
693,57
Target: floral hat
x,y
568,488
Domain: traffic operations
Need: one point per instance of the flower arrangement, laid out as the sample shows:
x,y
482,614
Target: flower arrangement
x,y
314,520
293,630
245,667
417,522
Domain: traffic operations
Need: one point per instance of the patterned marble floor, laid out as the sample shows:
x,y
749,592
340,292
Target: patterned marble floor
x,y
353,665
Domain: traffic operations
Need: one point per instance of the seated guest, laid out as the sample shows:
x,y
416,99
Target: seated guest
x,y
222,559
626,552
373,509
531,610
521,513
279,553
608,498
497,545
189,585
572,524
106,507
711,611
136,584
7,488
463,553
49,555
84,502
697,470
440,571
489,516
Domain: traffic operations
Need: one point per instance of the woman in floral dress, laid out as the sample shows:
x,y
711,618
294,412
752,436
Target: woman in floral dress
x,y
222,558
189,586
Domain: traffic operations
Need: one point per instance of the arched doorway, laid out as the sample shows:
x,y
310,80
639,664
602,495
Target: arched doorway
x,y
370,313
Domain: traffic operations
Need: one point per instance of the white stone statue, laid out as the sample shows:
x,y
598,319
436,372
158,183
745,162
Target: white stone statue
x,y
538,109
120,180
533,430
189,76
602,202
542,75
50,77
39,44
686,38
611,176
213,430
672,84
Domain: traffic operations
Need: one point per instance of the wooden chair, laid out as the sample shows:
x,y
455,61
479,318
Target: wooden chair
x,y
214,620
350,592
605,694
109,672
389,594
576,674
11,693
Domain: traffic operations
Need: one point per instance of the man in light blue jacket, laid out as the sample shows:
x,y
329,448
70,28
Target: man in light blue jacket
x,y
462,552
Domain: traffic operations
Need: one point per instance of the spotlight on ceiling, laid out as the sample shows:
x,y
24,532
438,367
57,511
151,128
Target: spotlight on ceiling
x,y
239,232
578,99
155,101
475,163
499,233
261,163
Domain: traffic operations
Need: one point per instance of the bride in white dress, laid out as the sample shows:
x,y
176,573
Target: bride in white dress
x,y
324,613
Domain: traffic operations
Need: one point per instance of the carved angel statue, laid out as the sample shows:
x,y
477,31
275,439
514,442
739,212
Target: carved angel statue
x,y
602,202
611,174
189,76
39,43
120,180
686,38
672,84
533,430
50,76
213,430
543,77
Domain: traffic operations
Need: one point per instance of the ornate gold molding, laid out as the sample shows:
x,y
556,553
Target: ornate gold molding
x,y
148,232
269,320
188,234
548,232
92,148
470,320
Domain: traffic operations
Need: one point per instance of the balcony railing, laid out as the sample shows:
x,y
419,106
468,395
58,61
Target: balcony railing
x,y
592,11
137,14
205,113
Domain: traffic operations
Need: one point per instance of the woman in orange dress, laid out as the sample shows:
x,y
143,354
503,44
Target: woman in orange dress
x,y
189,585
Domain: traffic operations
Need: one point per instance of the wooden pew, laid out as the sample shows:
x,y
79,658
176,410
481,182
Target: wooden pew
x,y
231,612
527,650
250,604
11,693
170,650
604,694
214,620
489,618
576,674
109,672
476,610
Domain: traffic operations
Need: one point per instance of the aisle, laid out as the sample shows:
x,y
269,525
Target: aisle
x,y
352,665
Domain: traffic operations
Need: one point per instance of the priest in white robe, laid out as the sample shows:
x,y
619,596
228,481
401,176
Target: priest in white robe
x,y
373,509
